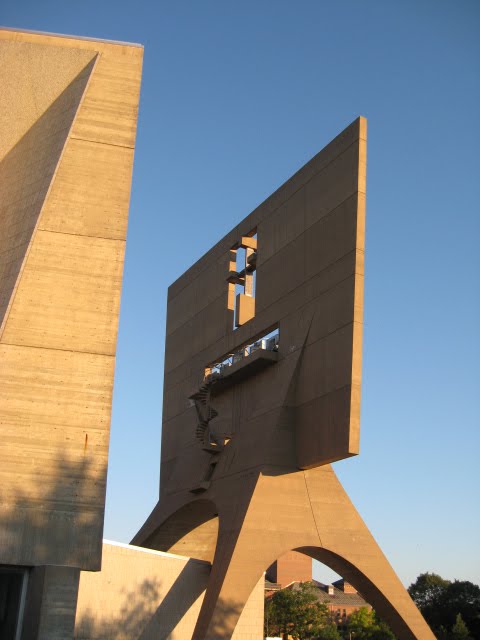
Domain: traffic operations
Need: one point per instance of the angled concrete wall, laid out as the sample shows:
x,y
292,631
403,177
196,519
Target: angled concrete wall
x,y
68,113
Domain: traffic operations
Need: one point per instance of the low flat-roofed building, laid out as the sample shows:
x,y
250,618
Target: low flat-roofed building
x,y
147,594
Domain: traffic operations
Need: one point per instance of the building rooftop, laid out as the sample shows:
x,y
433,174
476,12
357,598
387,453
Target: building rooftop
x,y
338,597
72,37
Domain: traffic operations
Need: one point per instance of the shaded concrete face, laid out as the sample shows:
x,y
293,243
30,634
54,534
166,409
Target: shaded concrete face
x,y
51,602
68,112
253,415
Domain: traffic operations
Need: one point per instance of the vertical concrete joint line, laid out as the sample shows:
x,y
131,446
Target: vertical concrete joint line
x,y
313,512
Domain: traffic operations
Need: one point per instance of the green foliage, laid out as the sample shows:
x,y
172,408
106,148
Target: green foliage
x,y
452,609
426,589
329,632
364,624
459,629
297,612
360,620
442,601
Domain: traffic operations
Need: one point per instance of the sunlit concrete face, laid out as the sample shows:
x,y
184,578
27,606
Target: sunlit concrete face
x,y
262,391
68,113
147,595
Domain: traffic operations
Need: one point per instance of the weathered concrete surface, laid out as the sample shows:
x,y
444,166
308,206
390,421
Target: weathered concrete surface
x,y
68,115
268,488
68,112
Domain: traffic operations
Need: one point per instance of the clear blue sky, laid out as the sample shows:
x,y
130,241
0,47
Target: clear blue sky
x,y
235,97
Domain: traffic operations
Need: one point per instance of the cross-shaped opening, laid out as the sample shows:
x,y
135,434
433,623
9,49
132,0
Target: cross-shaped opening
x,y
242,279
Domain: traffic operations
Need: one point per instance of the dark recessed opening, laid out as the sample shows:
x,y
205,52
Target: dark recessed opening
x,y
11,601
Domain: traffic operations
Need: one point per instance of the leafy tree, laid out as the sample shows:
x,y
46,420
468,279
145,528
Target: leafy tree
x,y
442,633
441,601
381,631
426,589
329,632
296,612
460,629
364,624
360,621
460,597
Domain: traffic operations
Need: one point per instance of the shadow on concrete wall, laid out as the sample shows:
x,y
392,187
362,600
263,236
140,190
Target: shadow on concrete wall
x,y
129,622
221,626
181,596
141,618
51,520
26,172
53,515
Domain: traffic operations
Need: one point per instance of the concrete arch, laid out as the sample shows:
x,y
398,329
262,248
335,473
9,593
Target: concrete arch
x,y
306,511
190,531
372,593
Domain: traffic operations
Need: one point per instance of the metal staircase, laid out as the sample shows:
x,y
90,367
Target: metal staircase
x,y
205,414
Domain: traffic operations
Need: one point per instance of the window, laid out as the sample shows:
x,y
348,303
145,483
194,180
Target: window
x,y
268,341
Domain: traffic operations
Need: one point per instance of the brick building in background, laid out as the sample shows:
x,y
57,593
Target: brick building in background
x,y
341,598
291,567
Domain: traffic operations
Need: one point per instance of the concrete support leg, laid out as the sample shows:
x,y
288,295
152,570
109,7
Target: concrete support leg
x,y
308,511
250,539
231,582
347,546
